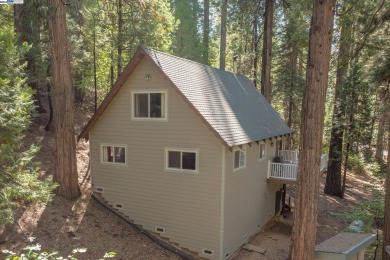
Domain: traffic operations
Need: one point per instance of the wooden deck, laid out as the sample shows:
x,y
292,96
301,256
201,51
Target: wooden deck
x,y
286,171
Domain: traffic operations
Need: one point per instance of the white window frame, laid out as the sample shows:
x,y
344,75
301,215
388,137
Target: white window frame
x,y
164,111
265,151
175,149
113,145
234,154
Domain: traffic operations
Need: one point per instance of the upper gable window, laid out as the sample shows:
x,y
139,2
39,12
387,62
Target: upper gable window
x,y
149,105
239,158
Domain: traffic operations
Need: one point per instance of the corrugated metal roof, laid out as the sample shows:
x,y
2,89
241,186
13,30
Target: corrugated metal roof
x,y
229,102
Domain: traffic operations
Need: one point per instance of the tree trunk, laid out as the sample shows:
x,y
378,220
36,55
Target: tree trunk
x,y
120,25
333,177
386,228
313,110
380,137
206,31
222,53
266,87
293,76
255,48
65,165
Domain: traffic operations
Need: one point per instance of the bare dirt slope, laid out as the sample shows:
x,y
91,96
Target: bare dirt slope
x,y
66,225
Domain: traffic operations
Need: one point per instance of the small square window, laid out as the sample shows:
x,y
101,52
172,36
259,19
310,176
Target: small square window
x,y
181,159
239,158
113,154
149,105
261,151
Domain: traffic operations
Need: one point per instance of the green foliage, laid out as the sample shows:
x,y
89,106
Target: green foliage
x,y
289,57
19,180
34,252
370,211
148,23
356,163
186,40
381,72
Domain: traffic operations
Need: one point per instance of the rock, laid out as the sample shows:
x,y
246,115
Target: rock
x,y
252,248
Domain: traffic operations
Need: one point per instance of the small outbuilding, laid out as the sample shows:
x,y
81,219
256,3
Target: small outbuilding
x,y
183,149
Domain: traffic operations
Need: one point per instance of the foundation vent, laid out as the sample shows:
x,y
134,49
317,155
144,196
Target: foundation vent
x,y
99,189
160,230
207,252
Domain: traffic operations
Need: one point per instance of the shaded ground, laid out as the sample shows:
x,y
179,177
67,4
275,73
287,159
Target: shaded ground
x,y
66,225
276,240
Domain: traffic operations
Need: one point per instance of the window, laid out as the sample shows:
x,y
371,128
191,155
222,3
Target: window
x,y
181,159
149,105
113,154
261,151
239,158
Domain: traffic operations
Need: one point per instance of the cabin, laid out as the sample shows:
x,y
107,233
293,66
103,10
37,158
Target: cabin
x,y
188,152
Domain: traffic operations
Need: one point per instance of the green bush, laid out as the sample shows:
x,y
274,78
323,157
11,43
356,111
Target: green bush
x,y
356,163
19,175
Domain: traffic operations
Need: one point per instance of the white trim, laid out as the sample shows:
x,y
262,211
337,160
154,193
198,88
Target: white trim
x,y
165,109
242,166
265,152
113,145
221,240
90,156
176,149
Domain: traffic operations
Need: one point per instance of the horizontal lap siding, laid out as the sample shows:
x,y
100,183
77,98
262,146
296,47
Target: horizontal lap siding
x,y
249,199
186,205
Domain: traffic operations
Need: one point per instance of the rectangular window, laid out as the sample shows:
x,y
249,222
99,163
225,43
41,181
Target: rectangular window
x,y
149,105
261,151
181,159
239,158
113,154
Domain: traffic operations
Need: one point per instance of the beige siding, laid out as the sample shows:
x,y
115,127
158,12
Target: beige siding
x,y
249,201
187,206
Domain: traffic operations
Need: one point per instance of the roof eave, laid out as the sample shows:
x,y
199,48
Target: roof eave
x,y
138,56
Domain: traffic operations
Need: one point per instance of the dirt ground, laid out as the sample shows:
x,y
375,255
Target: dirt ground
x,y
276,240
65,225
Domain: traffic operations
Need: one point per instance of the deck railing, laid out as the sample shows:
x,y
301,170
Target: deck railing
x,y
285,171
289,155
288,169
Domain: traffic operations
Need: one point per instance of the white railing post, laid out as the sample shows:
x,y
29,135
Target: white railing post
x,y
269,169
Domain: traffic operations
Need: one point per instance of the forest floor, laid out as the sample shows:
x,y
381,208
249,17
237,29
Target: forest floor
x,y
66,225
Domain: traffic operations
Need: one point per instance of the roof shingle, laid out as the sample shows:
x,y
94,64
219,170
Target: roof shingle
x,y
229,102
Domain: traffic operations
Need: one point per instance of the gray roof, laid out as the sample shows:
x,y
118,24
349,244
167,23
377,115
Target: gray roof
x,y
229,102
